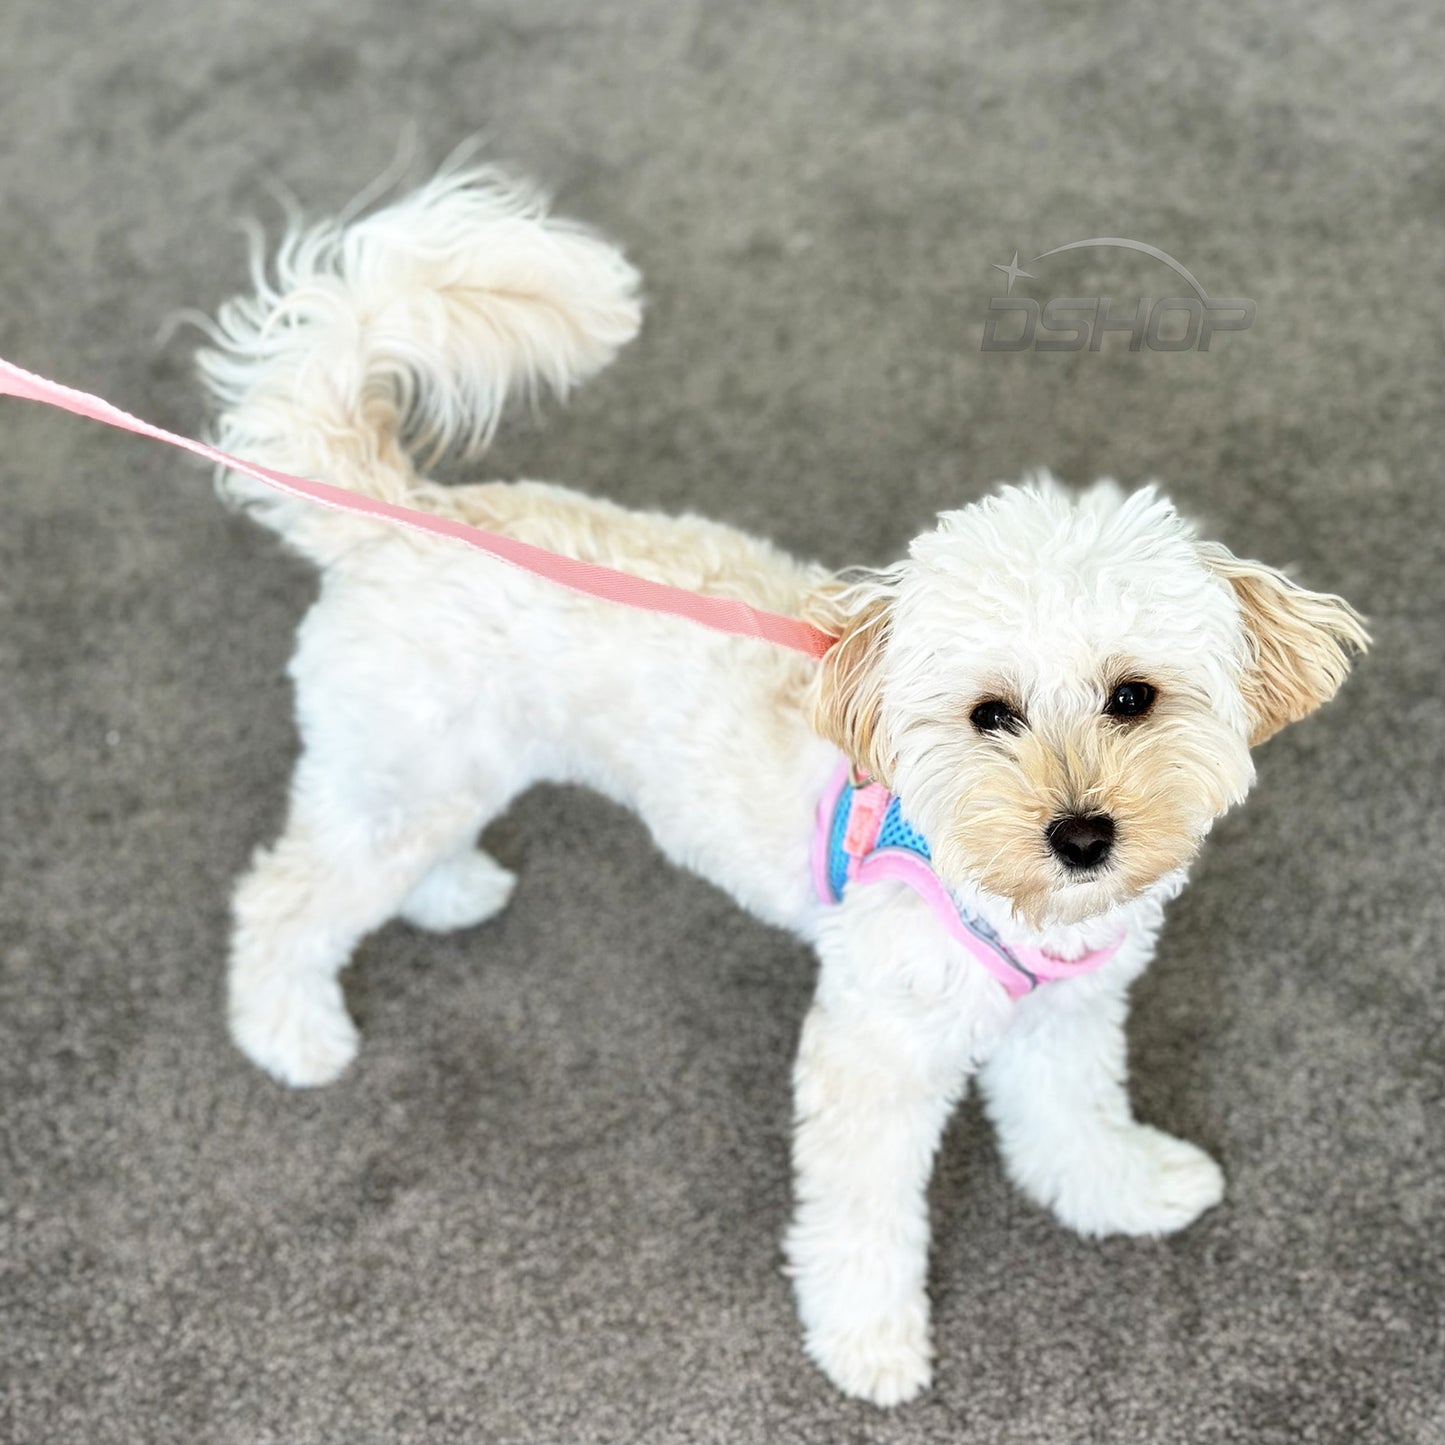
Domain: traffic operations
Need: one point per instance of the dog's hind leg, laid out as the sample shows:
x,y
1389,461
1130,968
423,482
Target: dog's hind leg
x,y
459,892
355,853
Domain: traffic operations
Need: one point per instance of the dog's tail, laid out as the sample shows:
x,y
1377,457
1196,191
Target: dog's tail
x,y
409,328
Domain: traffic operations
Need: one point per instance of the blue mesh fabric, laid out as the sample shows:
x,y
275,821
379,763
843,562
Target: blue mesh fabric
x,y
898,832
837,858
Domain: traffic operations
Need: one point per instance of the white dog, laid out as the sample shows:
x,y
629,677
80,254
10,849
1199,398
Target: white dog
x,y
1060,694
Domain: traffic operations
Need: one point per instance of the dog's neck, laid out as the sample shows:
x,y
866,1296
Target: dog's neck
x,y
1072,940
1142,915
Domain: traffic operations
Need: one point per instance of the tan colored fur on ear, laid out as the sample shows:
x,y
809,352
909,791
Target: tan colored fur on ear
x,y
1301,642
848,705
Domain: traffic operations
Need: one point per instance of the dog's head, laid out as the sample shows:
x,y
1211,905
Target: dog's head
x,y
1064,691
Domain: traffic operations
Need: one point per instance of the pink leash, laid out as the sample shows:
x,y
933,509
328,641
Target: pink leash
x,y
722,614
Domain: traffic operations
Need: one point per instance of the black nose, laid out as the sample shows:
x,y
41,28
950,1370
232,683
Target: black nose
x,y
1082,842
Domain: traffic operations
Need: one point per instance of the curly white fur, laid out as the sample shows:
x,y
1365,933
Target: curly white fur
x,y
434,686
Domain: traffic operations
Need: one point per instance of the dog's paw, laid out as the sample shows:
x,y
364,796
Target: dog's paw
x,y
1145,1182
459,893
299,1032
887,1362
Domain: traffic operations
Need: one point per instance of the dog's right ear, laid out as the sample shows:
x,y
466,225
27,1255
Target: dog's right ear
x,y
848,704
1301,643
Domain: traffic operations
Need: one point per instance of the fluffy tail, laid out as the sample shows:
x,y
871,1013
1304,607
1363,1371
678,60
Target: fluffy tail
x,y
407,329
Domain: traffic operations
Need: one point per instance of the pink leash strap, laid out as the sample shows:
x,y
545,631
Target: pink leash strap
x,y
722,614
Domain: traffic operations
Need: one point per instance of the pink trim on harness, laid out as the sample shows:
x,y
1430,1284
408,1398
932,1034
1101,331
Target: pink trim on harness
x,y
1019,969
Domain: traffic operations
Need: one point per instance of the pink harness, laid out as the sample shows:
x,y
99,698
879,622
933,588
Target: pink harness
x,y
862,836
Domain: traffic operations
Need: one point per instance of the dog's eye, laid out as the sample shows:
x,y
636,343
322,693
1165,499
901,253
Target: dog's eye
x,y
995,716
1130,699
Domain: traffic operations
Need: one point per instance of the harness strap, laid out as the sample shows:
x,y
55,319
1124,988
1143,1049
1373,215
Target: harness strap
x,y
859,809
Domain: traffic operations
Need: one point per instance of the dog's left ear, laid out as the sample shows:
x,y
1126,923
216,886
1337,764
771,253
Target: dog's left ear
x,y
848,704
1301,643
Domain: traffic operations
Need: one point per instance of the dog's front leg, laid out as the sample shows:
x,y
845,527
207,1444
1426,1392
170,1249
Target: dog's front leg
x,y
1056,1089
883,1059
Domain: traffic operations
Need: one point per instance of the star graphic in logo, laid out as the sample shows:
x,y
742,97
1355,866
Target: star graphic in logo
x,y
1013,272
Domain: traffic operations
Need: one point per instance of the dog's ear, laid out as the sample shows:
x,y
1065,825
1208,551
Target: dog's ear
x,y
1301,643
848,703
